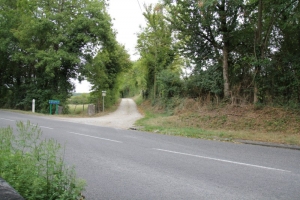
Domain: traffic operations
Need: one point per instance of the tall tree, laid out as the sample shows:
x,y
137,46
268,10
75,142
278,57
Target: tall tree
x,y
53,41
104,71
155,45
9,20
207,29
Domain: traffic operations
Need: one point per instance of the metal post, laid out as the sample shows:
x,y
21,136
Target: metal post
x,y
103,103
33,105
103,95
50,108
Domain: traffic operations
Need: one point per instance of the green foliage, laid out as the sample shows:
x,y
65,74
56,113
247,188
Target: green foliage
x,y
133,80
75,109
253,46
104,72
35,167
138,99
203,82
78,103
44,44
80,99
155,46
169,84
207,30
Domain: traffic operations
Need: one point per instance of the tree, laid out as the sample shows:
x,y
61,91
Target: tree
x,y
50,44
104,72
155,45
206,29
133,81
8,45
268,31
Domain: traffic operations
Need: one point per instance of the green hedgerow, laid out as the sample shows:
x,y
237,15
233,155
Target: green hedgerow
x,y
35,167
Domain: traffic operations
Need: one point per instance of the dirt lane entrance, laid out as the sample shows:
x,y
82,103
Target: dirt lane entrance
x,y
124,117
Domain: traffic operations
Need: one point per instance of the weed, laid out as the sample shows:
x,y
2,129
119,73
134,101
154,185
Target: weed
x,y
259,106
138,99
35,167
292,140
78,109
223,119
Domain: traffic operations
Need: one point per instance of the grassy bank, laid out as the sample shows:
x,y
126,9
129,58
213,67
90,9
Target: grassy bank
x,y
226,122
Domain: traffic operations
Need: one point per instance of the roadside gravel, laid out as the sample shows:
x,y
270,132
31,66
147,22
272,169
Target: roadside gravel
x,y
123,118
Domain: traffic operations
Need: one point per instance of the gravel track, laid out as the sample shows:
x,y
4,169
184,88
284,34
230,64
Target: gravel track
x,y
123,118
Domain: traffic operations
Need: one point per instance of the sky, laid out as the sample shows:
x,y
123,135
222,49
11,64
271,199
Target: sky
x,y
127,18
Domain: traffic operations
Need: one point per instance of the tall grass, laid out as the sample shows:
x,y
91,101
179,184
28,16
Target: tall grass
x,y
35,167
138,99
80,109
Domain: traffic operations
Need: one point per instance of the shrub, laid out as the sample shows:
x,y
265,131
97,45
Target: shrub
x,y
169,84
35,167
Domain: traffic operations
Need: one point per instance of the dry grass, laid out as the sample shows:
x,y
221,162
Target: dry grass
x,y
78,109
268,124
81,111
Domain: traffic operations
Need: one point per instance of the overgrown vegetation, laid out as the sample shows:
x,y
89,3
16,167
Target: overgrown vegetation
x,y
229,66
45,44
235,51
36,167
133,80
202,119
83,98
104,73
78,103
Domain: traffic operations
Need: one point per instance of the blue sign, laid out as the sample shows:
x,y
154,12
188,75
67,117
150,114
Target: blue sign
x,y
54,101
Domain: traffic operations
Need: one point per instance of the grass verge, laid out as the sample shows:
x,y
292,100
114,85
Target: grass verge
x,y
224,123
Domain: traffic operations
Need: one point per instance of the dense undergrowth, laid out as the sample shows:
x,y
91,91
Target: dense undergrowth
x,y
35,167
198,119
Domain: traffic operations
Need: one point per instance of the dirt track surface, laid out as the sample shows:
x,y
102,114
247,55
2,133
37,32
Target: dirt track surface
x,y
124,117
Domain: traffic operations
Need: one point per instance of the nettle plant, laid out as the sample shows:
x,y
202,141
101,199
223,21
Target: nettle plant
x,y
34,166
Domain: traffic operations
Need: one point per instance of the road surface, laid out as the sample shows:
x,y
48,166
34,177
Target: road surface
x,y
125,164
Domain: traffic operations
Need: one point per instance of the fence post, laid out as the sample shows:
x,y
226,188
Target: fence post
x,y
33,105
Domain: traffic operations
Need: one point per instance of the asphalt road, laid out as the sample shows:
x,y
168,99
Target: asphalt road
x,y
123,164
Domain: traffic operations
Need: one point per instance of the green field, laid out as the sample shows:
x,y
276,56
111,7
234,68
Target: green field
x,y
79,109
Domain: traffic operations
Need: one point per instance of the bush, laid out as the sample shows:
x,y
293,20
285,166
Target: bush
x,y
35,167
169,84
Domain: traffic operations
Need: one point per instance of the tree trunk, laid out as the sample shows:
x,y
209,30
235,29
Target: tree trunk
x,y
255,98
155,68
154,86
260,47
225,71
225,49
